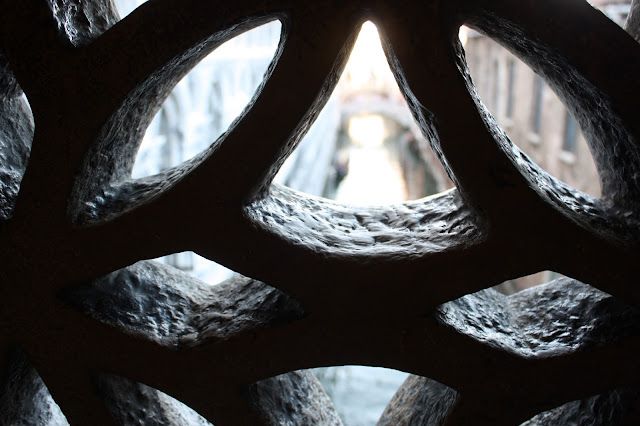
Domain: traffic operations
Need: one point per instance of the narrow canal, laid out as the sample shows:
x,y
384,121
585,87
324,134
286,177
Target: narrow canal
x,y
373,177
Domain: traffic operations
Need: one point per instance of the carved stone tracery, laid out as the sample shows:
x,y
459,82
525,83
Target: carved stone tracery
x,y
400,286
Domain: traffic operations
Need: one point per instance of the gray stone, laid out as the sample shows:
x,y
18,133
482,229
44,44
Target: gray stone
x,y
9,87
559,317
132,403
161,303
633,20
419,401
16,133
323,284
292,399
81,21
617,407
24,398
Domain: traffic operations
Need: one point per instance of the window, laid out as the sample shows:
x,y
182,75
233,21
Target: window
x,y
183,260
570,133
510,89
536,117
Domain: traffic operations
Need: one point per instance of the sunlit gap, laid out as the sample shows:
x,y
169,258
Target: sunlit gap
x,y
207,100
199,109
380,155
364,148
376,152
360,394
535,120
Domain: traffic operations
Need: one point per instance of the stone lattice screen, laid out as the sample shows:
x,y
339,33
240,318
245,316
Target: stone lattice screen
x,y
117,339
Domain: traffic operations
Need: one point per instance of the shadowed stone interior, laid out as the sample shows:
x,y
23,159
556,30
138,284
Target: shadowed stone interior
x,y
93,333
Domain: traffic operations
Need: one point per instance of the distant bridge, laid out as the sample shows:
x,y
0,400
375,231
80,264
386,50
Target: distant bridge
x,y
388,102
392,107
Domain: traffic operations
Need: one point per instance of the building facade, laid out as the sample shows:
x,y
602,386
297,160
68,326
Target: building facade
x,y
533,116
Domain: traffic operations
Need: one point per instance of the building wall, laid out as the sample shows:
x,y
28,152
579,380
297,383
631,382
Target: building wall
x,y
531,114
534,117
535,120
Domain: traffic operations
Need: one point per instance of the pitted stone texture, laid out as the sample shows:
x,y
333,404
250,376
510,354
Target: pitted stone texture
x,y
292,399
615,408
132,403
563,322
9,87
81,21
559,317
24,398
16,134
569,314
409,229
633,20
161,303
419,401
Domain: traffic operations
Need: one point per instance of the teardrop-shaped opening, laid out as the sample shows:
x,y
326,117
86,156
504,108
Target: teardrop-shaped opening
x,y
531,114
200,108
536,121
206,101
365,148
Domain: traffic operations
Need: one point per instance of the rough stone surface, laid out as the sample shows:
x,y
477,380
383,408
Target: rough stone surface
x,y
24,398
82,21
633,20
399,286
558,317
9,86
378,232
562,319
419,401
16,133
295,398
158,302
132,403
618,407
